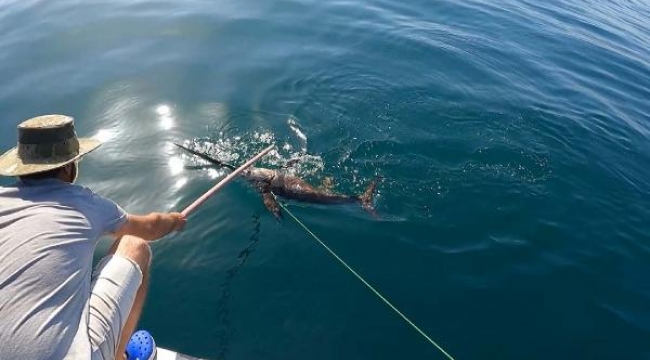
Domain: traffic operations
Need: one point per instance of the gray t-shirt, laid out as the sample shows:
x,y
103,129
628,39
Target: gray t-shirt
x,y
48,233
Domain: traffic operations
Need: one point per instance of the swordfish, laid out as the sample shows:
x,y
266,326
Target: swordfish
x,y
271,182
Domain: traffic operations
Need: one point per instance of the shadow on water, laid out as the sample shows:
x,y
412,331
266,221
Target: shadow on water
x,y
226,332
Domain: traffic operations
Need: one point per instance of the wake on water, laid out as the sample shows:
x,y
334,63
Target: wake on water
x,y
236,149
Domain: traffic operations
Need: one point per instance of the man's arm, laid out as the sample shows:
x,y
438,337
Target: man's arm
x,y
151,226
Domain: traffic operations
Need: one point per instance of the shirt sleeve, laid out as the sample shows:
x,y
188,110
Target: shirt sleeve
x,y
108,216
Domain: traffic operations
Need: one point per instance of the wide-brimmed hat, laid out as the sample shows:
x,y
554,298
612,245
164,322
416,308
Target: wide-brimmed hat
x,y
45,143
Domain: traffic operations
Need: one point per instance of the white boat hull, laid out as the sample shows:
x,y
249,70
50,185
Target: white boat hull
x,y
164,354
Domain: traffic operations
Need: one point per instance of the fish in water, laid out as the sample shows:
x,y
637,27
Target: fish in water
x,y
271,182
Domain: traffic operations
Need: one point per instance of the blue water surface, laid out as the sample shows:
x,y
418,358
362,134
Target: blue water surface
x,y
511,138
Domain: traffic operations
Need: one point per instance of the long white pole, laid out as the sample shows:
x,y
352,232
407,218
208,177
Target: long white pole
x,y
190,209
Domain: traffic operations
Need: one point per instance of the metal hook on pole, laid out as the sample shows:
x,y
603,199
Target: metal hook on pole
x,y
192,207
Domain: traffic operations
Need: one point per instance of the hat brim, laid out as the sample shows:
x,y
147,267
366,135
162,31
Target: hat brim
x,y
12,165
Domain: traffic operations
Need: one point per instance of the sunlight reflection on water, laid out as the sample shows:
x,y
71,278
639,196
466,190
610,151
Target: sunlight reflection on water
x,y
166,120
175,164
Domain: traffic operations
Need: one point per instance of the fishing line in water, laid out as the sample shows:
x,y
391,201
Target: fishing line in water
x,y
228,178
226,332
374,291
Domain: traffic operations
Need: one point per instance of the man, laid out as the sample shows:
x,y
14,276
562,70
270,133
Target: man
x,y
52,305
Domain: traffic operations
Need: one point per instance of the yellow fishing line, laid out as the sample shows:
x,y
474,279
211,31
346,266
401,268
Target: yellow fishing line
x,y
379,295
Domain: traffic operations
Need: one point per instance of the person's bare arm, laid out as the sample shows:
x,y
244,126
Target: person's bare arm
x,y
151,226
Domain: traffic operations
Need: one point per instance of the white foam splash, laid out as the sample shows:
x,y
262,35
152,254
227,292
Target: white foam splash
x,y
294,126
235,149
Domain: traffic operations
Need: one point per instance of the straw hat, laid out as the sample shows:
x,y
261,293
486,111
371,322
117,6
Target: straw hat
x,y
45,143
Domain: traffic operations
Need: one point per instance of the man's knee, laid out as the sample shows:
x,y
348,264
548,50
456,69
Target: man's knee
x,y
136,249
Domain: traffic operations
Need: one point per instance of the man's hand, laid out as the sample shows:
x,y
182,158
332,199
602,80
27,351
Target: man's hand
x,y
177,221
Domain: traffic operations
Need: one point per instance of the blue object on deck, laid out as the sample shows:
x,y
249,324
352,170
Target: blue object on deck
x,y
141,346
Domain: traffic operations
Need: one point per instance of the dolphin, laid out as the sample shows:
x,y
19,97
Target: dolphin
x,y
272,182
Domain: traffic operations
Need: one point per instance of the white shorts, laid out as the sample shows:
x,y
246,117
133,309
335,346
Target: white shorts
x,y
114,285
